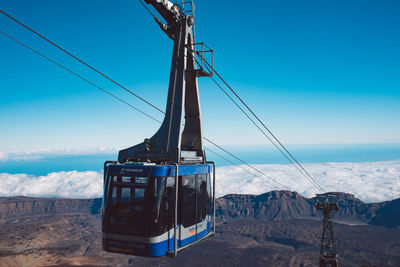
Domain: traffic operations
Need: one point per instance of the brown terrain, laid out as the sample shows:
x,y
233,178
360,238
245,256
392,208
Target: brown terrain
x,y
279,228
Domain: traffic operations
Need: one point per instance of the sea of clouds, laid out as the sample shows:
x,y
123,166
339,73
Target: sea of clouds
x,y
369,181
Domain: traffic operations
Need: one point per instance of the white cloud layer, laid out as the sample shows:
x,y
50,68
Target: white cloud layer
x,y
369,181
72,184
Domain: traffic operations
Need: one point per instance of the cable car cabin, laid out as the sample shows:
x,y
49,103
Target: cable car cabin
x,y
139,206
154,210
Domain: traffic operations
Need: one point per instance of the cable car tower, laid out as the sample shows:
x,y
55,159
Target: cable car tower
x,y
158,197
328,256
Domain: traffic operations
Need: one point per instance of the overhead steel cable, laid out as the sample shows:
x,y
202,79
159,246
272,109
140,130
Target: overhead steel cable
x,y
269,131
77,75
261,130
210,67
78,59
255,124
142,112
148,10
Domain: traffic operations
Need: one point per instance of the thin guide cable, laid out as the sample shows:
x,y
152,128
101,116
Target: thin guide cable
x,y
78,59
269,131
77,75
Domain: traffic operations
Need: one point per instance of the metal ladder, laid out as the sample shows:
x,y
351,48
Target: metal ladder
x,y
188,7
199,49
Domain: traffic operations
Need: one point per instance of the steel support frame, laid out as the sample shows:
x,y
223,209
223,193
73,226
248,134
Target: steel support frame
x,y
183,105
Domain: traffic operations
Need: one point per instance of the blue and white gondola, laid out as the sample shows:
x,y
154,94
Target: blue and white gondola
x,y
139,207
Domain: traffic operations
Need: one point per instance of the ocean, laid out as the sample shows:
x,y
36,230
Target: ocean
x,y
47,163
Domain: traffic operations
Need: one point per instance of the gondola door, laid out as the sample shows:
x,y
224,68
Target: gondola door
x,y
194,208
188,207
169,205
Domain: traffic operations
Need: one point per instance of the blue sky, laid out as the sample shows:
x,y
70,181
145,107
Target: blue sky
x,y
317,72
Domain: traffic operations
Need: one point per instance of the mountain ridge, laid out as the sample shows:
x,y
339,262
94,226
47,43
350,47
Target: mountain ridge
x,y
279,205
273,205
21,206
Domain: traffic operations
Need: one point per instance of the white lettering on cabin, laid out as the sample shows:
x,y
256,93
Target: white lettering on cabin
x,y
130,170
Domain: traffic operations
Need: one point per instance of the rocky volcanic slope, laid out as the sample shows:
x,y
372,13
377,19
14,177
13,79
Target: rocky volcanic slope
x,y
274,205
279,228
389,215
18,207
279,205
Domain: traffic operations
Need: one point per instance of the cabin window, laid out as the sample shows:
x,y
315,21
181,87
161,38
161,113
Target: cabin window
x,y
135,204
194,198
